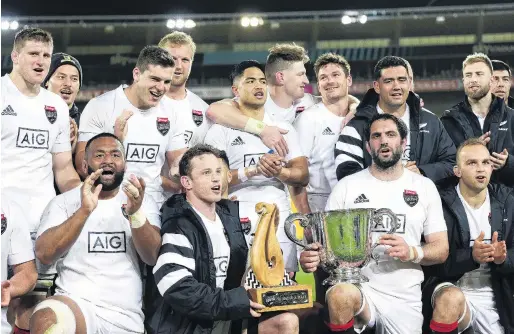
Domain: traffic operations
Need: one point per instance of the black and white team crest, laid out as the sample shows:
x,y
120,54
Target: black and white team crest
x,y
237,141
163,125
361,199
51,114
197,117
9,111
4,223
327,132
299,110
246,225
410,197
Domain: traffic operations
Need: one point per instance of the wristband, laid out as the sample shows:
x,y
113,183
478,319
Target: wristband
x,y
254,126
412,256
241,175
138,219
420,255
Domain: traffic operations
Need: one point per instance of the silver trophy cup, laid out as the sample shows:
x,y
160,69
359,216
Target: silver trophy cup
x,y
345,238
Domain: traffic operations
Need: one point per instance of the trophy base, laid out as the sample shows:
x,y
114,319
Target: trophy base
x,y
282,298
346,275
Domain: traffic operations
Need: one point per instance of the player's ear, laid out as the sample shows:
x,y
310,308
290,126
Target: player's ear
x,y
279,77
136,73
376,87
456,171
185,181
235,91
368,148
84,165
14,56
229,176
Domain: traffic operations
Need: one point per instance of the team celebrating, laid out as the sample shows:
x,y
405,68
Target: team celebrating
x,y
137,214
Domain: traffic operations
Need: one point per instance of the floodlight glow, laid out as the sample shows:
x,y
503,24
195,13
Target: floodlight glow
x,y
346,19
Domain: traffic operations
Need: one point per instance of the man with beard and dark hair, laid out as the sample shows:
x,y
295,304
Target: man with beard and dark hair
x,y
502,81
97,235
391,301
429,151
483,115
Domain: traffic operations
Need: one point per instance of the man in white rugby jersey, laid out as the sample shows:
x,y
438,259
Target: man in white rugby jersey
x,y
134,114
98,234
17,253
391,301
190,108
35,136
319,127
258,174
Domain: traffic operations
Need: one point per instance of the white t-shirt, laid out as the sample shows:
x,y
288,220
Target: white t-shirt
x,y
319,129
221,256
190,116
32,129
103,263
16,245
477,283
424,217
151,133
406,119
288,115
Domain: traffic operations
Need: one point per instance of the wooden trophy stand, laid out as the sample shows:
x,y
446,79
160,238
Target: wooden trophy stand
x,y
267,264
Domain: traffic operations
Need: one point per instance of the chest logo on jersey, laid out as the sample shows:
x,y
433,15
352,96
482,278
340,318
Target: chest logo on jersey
x,y
32,138
384,224
299,110
163,125
246,225
187,136
51,114
197,117
410,197
4,223
252,159
145,153
107,242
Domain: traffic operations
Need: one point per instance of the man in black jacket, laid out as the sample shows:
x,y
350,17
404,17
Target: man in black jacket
x,y
474,287
483,115
502,81
203,255
429,151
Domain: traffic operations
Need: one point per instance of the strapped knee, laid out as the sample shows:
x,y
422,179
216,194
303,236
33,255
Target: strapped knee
x,y
65,323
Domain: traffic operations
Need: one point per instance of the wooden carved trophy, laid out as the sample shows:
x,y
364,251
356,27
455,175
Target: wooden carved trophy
x,y
272,286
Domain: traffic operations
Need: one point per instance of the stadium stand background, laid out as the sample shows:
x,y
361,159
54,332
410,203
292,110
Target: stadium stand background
x,y
434,39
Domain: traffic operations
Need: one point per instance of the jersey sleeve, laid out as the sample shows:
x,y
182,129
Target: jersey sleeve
x,y
217,137
306,129
54,215
151,211
92,120
337,197
62,142
21,249
176,137
293,142
435,218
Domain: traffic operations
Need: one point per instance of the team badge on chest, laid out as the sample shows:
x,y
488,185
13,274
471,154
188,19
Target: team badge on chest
x,y
299,110
411,197
4,223
163,125
51,114
197,117
246,225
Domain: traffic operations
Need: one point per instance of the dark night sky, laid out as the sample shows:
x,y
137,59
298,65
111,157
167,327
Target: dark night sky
x,y
117,7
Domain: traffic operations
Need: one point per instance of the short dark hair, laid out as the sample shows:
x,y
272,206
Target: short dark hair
x,y
224,157
239,69
499,65
103,135
184,166
387,62
331,58
154,55
400,125
31,34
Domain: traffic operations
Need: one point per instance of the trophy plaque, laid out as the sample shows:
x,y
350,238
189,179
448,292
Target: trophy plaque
x,y
273,287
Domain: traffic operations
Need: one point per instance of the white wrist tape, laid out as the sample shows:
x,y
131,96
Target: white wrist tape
x,y
254,126
241,175
138,219
420,256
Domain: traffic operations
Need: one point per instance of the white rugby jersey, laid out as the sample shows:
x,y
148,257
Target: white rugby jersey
x,y
151,133
190,116
102,266
288,115
16,245
244,150
417,205
319,129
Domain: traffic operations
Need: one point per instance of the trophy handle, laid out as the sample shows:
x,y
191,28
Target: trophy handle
x,y
304,222
394,224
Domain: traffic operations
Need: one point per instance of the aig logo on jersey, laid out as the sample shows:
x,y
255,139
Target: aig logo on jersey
x,y
51,114
252,159
107,242
197,117
146,153
384,224
32,138
163,125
